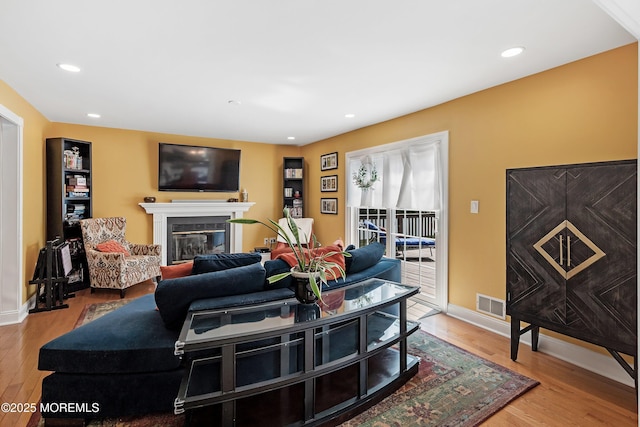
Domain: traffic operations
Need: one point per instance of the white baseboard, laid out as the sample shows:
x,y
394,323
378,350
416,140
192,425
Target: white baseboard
x,y
17,316
590,360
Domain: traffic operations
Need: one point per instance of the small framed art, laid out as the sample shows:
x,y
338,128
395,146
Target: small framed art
x,y
329,183
329,161
329,206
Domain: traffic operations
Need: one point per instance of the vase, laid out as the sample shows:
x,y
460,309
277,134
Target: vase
x,y
304,293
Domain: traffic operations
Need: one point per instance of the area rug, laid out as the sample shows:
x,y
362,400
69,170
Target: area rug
x,y
453,387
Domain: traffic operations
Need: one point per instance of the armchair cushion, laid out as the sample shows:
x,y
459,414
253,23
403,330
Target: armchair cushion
x,y
173,296
112,246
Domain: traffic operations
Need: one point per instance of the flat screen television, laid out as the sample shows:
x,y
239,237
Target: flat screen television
x,y
198,169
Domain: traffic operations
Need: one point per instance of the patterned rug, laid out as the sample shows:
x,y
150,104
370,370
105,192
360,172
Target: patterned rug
x,y
452,388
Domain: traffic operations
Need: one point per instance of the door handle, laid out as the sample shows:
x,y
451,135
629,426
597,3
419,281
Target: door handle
x,y
568,251
561,250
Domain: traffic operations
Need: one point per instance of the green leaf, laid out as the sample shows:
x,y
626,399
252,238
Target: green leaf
x,y
277,277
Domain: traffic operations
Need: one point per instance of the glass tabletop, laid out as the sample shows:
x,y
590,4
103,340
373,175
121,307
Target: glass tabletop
x,y
237,323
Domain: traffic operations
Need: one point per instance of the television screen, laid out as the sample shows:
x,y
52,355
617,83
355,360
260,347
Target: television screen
x,y
191,168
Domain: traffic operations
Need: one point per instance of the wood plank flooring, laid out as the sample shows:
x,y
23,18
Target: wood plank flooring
x,y
567,396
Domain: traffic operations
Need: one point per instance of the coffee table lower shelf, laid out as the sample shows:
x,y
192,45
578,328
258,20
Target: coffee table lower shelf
x,y
336,396
289,364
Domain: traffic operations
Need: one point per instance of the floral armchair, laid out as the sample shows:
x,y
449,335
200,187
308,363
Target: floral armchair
x,y
115,263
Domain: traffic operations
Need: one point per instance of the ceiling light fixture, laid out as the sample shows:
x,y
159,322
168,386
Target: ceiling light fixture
x,y
93,115
514,51
69,67
350,116
291,138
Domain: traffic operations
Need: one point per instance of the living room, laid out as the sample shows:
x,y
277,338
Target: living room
x,y
583,111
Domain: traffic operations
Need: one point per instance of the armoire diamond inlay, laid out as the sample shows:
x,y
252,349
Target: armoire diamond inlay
x,y
564,266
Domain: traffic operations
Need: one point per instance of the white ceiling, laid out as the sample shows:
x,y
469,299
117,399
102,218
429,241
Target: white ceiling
x,y
296,67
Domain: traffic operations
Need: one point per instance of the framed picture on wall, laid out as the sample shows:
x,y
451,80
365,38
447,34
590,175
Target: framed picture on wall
x,y
329,206
329,161
329,183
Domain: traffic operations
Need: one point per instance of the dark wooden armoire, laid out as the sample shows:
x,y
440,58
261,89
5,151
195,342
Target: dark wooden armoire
x,y
571,254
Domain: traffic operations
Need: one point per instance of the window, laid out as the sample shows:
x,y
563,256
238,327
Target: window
x,y
397,196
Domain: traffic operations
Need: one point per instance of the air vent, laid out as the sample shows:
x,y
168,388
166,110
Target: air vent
x,y
491,306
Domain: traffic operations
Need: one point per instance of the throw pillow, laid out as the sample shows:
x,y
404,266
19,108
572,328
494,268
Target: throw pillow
x,y
364,257
177,270
219,262
112,246
174,296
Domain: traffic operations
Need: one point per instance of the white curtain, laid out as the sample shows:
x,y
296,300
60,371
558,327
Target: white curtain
x,y
408,178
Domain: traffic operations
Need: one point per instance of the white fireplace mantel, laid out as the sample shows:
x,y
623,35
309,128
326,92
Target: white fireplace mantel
x,y
162,211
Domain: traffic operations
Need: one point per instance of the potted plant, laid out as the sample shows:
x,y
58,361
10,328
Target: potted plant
x,y
313,267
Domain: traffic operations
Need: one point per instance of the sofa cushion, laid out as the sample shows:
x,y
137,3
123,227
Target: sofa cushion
x,y
218,262
364,257
130,339
175,271
277,266
174,296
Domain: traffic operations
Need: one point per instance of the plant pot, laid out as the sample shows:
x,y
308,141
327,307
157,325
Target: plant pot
x,y
304,293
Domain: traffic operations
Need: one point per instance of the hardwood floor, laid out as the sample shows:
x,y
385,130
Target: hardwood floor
x,y
567,395
20,379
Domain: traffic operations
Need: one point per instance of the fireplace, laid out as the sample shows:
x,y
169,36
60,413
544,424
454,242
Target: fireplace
x,y
199,212
188,237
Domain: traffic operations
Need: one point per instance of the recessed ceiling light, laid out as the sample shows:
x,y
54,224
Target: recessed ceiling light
x,y
350,116
69,67
514,51
94,115
291,138
233,102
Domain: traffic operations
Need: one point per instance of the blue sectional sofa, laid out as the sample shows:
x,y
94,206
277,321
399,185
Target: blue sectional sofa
x,y
123,363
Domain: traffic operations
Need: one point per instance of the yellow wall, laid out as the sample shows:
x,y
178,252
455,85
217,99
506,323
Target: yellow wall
x,y
33,198
584,111
581,112
125,170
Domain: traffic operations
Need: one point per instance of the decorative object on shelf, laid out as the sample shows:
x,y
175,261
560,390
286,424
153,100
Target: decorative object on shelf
x,y
329,183
244,196
312,262
329,206
329,161
366,176
149,199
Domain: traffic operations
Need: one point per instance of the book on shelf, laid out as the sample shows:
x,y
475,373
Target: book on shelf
x,y
78,194
77,180
293,173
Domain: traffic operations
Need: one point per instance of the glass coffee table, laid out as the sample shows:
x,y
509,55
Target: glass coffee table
x,y
298,364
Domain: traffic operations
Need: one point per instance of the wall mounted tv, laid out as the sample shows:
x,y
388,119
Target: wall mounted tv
x,y
197,169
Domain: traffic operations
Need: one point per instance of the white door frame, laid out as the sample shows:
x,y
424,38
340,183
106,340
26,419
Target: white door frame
x,y
442,237
11,261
